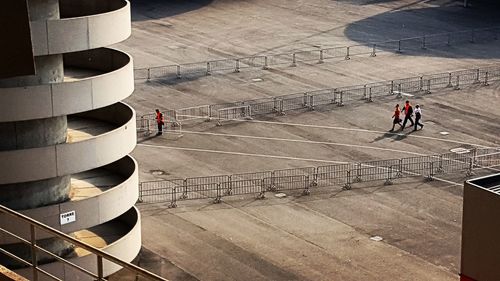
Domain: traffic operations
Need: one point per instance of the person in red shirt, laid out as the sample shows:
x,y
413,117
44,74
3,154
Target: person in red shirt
x,y
159,122
408,110
396,120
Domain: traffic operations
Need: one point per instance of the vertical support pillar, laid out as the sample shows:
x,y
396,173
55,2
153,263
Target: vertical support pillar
x,y
347,184
173,198
341,99
374,48
209,72
457,83
237,69
34,258
100,270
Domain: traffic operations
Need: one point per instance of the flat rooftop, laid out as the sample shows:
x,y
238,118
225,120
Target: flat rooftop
x,y
332,234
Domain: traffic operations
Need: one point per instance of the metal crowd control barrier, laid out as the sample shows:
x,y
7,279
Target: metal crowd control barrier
x,y
336,96
317,55
36,251
308,178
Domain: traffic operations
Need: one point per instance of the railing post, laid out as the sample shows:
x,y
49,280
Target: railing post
x,y
374,48
184,189
304,100
229,190
311,102
209,72
423,43
440,168
315,177
430,177
399,46
237,69
486,79
173,200
334,92
306,186
347,184
34,259
282,109
347,54
321,56
428,91
273,185
149,74
266,65
341,101
457,86
178,72
275,104
399,95
364,92
218,197
399,173
470,168
358,173
262,193
477,76
100,271
449,80
392,88
421,83
388,179
370,94
294,60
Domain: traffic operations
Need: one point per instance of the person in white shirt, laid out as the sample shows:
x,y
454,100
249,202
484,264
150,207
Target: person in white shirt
x,y
418,116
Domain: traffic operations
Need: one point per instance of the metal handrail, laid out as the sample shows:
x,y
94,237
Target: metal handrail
x,y
99,253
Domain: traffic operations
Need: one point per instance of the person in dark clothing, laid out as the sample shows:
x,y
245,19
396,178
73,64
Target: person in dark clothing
x,y
396,120
159,122
408,110
418,116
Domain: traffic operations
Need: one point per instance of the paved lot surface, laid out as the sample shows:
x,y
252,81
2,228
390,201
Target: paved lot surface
x,y
324,236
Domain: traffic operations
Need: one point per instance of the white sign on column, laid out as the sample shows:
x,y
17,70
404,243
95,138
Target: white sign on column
x,y
68,217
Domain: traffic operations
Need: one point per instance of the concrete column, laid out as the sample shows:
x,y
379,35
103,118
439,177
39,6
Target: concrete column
x,y
36,133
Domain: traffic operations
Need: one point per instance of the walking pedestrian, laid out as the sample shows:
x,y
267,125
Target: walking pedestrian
x,y
418,116
396,120
408,110
159,122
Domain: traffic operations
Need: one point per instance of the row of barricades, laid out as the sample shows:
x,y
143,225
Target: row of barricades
x,y
333,96
308,178
318,55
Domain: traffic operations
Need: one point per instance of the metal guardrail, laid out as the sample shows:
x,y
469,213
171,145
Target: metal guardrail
x,y
306,178
317,55
332,96
35,251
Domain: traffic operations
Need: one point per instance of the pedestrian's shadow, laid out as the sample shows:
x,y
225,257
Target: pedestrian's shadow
x,y
395,136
